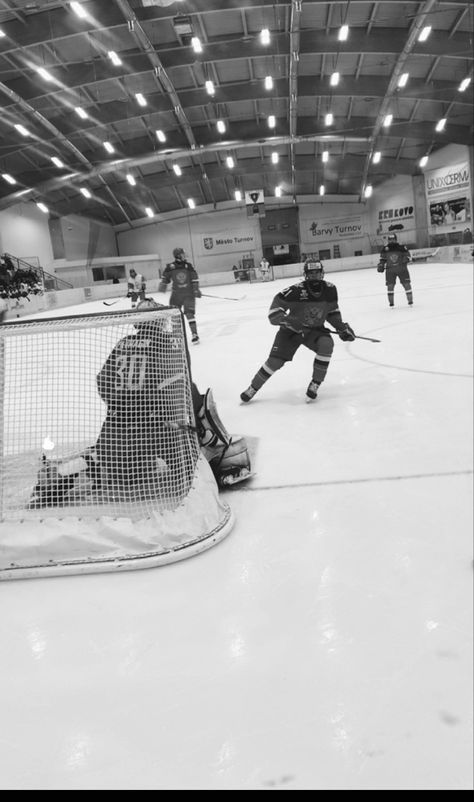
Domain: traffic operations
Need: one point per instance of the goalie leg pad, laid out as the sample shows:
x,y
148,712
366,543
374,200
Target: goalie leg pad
x,y
229,463
211,429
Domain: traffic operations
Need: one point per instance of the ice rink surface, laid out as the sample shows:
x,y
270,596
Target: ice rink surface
x,y
326,643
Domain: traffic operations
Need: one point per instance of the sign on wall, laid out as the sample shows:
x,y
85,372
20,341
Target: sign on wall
x,y
225,242
329,230
254,197
395,218
448,196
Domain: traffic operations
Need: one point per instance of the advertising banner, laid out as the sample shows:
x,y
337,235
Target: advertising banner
x,y
317,231
448,196
396,218
225,242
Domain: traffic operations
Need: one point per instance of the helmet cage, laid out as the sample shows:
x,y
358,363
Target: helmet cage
x,y
313,271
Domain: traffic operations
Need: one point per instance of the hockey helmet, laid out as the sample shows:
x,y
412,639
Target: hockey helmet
x,y
392,238
313,270
178,254
148,303
147,326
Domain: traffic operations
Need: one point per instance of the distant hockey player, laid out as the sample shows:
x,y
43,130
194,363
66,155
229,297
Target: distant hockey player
x,y
184,288
136,287
394,258
264,267
301,311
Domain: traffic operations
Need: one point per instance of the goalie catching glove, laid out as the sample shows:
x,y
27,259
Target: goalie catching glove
x,y
346,334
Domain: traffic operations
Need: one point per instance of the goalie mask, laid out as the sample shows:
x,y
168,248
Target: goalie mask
x,y
313,272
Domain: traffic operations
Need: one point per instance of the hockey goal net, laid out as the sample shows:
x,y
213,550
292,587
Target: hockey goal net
x,y
101,467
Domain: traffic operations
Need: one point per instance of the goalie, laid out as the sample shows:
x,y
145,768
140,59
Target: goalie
x,y
139,437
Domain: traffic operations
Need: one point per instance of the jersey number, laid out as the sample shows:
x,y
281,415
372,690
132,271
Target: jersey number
x,y
130,372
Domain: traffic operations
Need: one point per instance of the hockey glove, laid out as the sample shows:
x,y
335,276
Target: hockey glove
x,y
197,293
346,334
380,267
162,287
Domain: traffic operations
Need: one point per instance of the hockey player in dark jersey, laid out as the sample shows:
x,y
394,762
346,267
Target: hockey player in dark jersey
x,y
301,311
184,288
394,258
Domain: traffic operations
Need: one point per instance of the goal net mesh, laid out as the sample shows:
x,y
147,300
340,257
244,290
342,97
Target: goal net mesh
x,y
98,424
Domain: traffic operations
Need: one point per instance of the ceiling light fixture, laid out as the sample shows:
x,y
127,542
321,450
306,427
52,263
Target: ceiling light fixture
x,y
22,130
278,192
343,33
402,81
85,192
191,203
271,121
387,121
114,58
265,36
42,207
425,33
57,161
221,126
8,178
335,79
268,82
230,162
464,84
325,156
140,99
238,195
423,161
368,191
109,147
44,74
81,113
322,189
376,157
77,8
196,44
275,157
177,169
131,179
440,124
210,88
149,212
161,136
329,118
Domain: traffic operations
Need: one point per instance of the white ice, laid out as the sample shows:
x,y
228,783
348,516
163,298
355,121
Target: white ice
x,y
326,643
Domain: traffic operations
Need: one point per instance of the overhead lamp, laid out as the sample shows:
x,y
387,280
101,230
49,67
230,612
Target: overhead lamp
x,y
109,147
334,79
77,8
221,126
238,195
329,118
343,33
464,84
149,212
116,61
42,207
2,34
22,130
322,189
402,81
177,169
424,33
81,113
161,136
376,157
278,192
210,88
131,179
85,192
387,121
191,203
268,82
140,99
271,121
368,191
230,162
8,178
325,156
196,44
44,74
275,157
57,161
440,124
265,36
423,161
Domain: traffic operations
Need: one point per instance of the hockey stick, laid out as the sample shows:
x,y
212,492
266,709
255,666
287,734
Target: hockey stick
x,y
111,303
223,297
358,337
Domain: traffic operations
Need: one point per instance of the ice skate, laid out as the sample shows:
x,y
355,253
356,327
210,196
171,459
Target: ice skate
x,y
312,391
248,394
